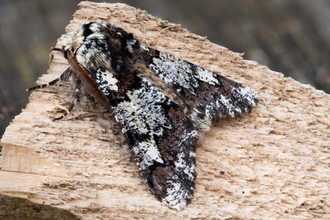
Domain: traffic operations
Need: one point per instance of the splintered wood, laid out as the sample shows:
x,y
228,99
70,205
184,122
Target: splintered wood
x,y
269,164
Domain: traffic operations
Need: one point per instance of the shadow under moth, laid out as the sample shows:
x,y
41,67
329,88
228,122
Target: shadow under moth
x,y
161,102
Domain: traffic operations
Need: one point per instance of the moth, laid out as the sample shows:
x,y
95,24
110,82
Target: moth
x,y
160,101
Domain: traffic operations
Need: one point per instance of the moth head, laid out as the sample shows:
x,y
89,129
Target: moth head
x,y
74,40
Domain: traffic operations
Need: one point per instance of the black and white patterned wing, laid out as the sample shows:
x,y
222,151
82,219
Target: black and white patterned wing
x,y
160,135
209,95
162,140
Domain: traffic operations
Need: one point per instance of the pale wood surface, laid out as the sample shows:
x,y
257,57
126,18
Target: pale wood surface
x,y
272,163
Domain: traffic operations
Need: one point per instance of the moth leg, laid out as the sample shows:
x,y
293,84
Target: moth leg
x,y
57,49
77,94
64,77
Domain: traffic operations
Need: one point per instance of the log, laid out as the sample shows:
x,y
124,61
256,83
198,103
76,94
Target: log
x,y
271,163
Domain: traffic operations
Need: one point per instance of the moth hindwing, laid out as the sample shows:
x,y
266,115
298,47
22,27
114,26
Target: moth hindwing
x,y
160,101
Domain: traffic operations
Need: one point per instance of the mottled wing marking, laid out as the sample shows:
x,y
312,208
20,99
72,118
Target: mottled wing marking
x,y
209,95
162,140
160,135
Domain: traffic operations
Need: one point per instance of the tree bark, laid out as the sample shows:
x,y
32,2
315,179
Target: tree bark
x,y
271,163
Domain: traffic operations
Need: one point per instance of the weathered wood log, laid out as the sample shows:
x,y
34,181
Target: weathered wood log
x,y
271,163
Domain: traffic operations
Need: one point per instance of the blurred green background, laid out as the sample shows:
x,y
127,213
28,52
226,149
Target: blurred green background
x,y
291,37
